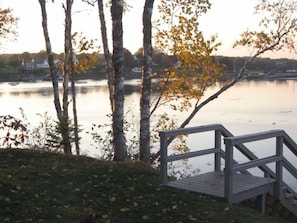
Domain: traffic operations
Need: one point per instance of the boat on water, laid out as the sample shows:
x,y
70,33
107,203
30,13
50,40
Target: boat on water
x,y
81,82
13,83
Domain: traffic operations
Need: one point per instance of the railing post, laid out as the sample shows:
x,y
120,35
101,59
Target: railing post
x,y
218,145
163,158
228,171
279,167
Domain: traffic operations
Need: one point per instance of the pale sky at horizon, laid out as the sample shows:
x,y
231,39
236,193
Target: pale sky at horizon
x,y
228,19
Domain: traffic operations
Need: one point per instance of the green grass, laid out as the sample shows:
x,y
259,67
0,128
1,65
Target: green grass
x,y
48,187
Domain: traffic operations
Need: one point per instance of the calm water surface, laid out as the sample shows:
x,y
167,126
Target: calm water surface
x,y
248,107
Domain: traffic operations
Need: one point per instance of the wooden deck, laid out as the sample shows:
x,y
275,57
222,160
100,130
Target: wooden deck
x,y
212,184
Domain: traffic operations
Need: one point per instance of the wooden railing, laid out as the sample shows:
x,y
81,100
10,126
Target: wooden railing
x,y
166,136
278,158
231,166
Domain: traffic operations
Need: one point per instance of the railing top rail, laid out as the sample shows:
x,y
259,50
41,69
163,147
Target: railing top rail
x,y
190,130
235,140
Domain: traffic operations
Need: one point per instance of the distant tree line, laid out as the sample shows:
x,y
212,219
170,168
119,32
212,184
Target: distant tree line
x,y
233,64
161,59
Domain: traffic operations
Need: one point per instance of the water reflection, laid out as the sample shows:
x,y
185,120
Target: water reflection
x,y
252,103
248,102
44,89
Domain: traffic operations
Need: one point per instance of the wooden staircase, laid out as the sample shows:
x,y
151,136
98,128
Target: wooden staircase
x,y
235,183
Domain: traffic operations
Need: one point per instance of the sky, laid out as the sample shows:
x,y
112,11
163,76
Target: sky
x,y
227,19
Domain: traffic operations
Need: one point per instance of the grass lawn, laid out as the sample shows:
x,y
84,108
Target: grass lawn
x,y
48,187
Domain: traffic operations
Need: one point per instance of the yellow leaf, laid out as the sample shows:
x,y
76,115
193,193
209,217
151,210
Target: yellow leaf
x,y
125,209
105,216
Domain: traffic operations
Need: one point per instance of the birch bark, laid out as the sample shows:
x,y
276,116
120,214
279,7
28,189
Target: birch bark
x,y
144,140
119,141
108,59
52,66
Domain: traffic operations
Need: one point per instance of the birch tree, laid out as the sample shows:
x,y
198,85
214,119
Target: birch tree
x,y
119,141
62,111
114,65
68,64
51,60
107,55
145,136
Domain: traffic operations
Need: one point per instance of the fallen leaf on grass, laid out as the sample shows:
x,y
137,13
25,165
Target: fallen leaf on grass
x,y
192,218
146,218
174,207
59,216
125,209
226,209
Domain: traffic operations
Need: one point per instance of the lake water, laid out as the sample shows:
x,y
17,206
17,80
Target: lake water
x,y
248,107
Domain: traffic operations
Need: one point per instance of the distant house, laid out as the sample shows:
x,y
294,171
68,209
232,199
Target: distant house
x,y
29,65
136,69
35,64
41,64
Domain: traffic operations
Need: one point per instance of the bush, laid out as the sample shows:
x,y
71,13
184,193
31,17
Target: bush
x,y
13,130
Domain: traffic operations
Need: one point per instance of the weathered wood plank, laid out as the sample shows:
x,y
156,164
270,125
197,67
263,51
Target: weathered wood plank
x,y
192,154
235,140
212,184
190,130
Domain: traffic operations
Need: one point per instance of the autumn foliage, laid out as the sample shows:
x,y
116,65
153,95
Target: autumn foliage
x,y
196,69
12,130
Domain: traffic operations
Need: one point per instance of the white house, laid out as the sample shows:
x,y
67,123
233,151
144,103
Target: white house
x,y
41,64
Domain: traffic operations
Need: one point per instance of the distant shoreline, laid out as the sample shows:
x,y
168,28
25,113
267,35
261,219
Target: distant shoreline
x,y
17,77
264,76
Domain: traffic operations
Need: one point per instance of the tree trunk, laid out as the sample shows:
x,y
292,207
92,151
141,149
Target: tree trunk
x,y
75,119
144,140
120,151
108,59
67,71
52,66
53,72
